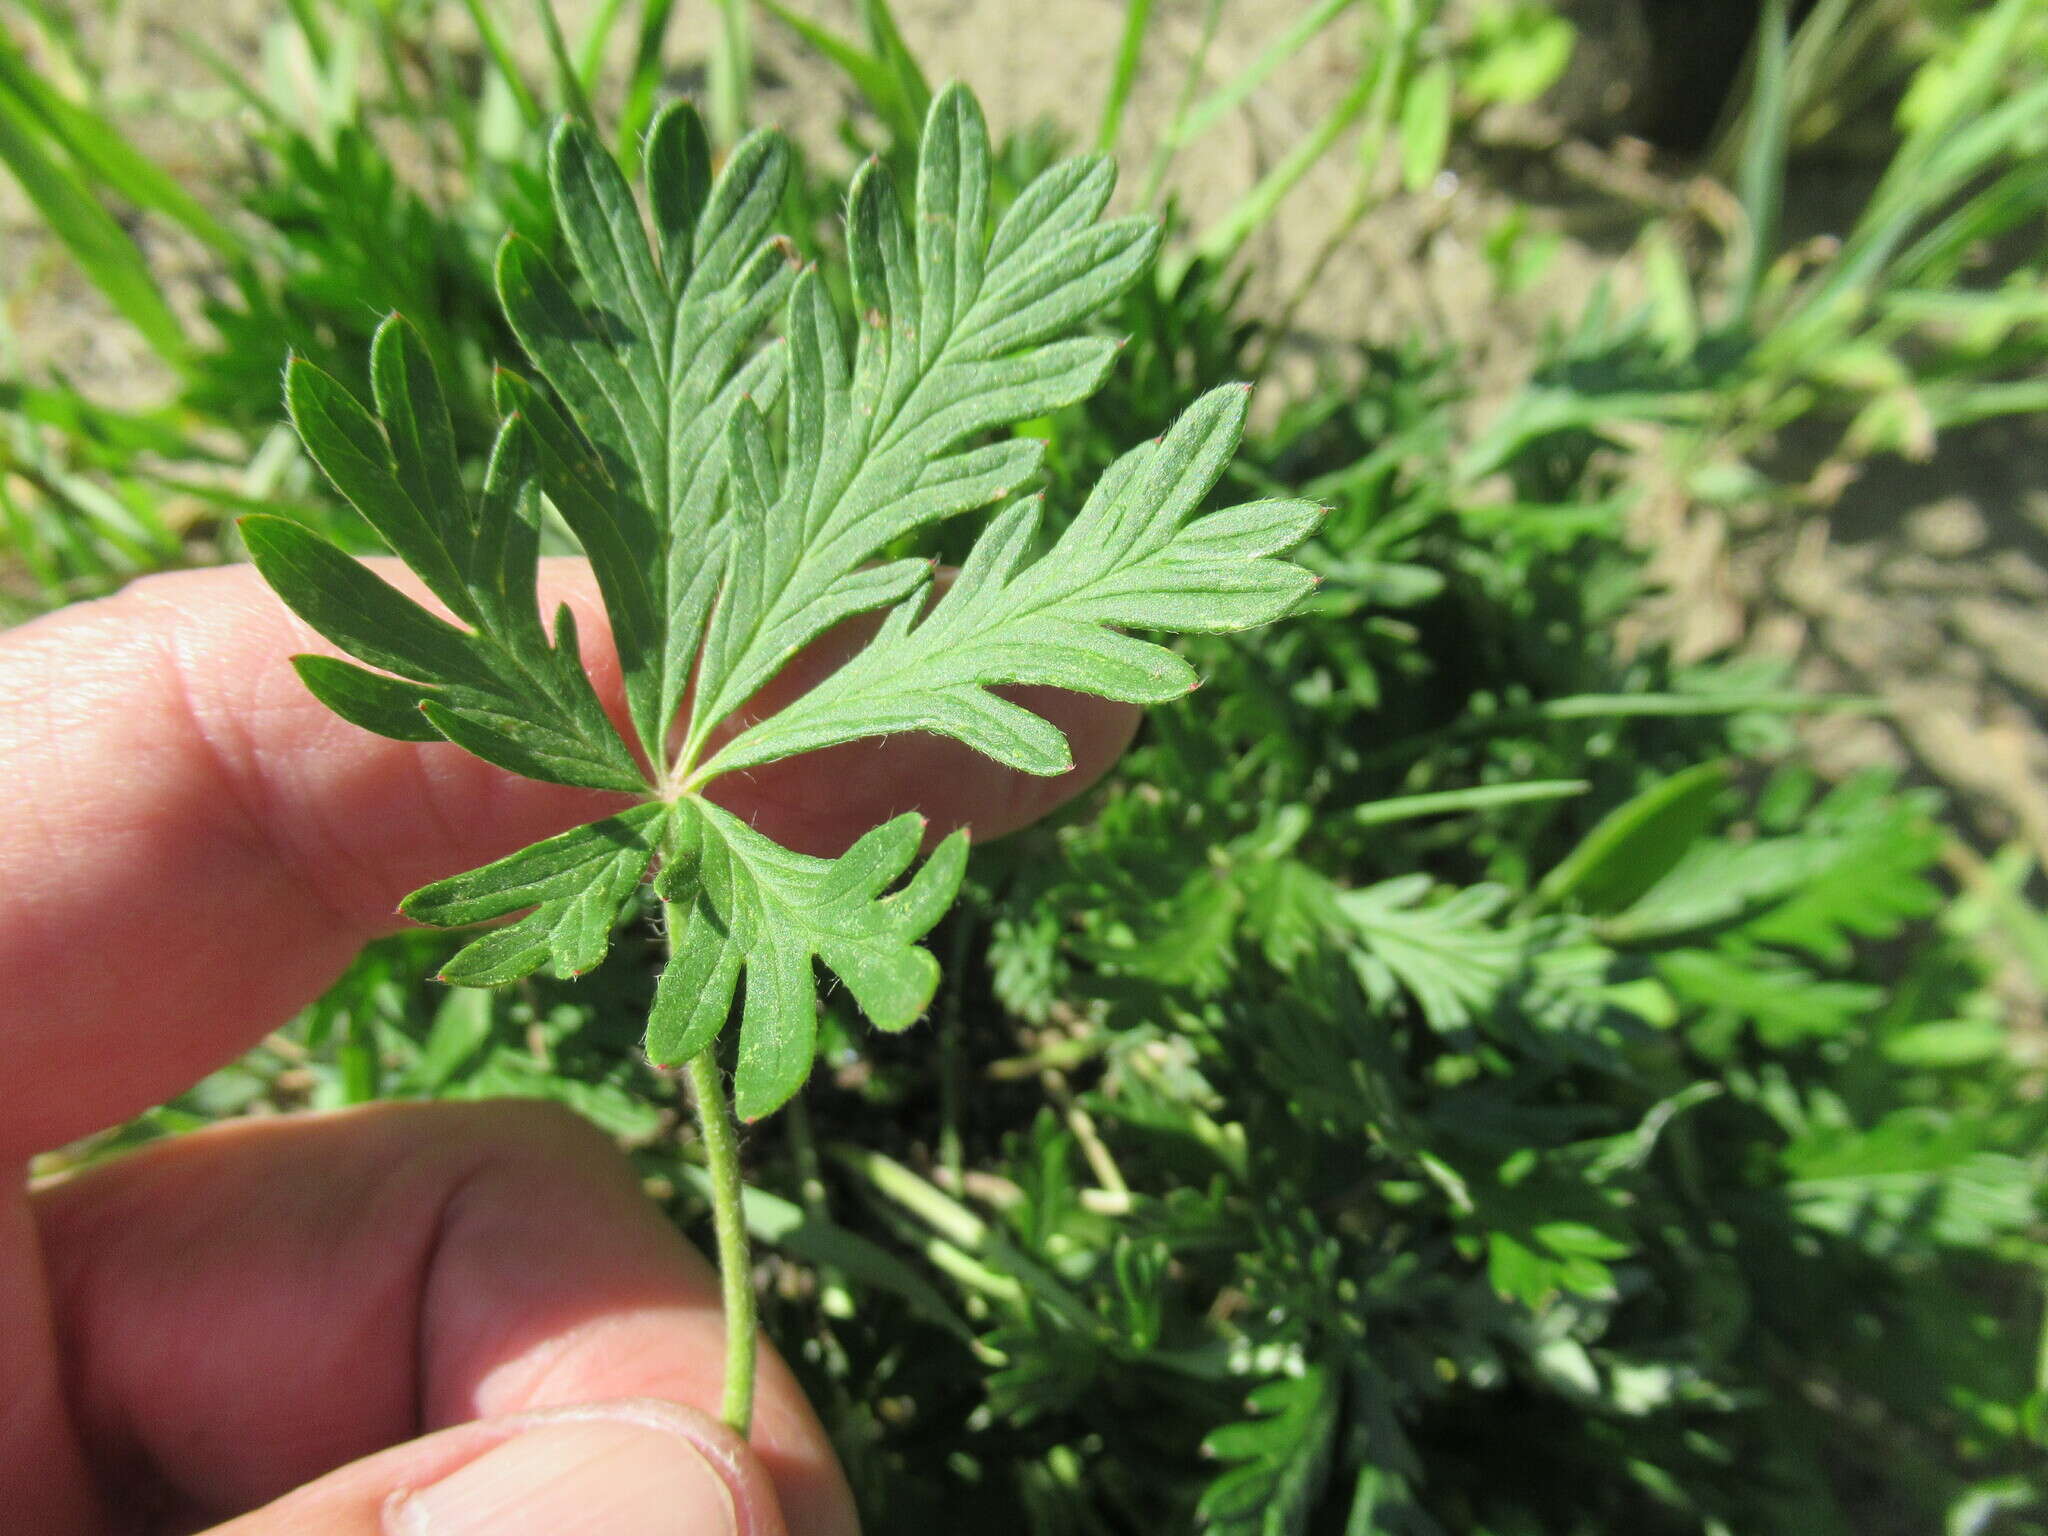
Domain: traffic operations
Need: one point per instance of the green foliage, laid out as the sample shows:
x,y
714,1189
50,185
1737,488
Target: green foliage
x,y
1456,1076
721,552
745,904
1551,1164
1280,1458
1882,334
39,143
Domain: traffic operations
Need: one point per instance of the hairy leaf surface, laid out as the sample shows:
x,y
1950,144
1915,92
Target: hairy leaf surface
x,y
576,884
735,490
747,904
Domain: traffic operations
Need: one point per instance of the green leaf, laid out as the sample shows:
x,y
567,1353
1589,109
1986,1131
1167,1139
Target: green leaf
x,y
1137,556
1638,844
419,510
368,699
1858,866
357,609
1911,1177
1716,881
501,690
1425,126
650,366
737,495
462,1027
1448,955
1277,1461
96,242
1786,1003
1518,52
577,885
549,728
1947,1043
958,335
500,732
752,908
422,438
1534,1264
1877,882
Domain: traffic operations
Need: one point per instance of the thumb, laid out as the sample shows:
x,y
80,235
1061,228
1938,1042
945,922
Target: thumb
x,y
631,1468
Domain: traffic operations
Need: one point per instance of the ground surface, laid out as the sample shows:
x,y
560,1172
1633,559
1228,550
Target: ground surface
x,y
1924,584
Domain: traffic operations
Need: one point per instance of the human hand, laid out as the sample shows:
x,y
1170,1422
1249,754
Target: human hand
x,y
406,1319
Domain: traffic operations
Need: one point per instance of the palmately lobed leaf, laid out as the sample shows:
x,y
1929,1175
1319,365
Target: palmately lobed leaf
x,y
749,904
734,478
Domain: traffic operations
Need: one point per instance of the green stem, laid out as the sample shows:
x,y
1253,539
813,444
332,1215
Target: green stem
x,y
1222,240
732,73
494,44
574,101
1137,16
1178,134
1389,77
735,1267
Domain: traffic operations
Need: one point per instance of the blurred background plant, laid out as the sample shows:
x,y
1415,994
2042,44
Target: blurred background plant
x,y
1486,1066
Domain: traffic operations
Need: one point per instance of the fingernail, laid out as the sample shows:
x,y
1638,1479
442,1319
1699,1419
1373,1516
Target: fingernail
x,y
577,1476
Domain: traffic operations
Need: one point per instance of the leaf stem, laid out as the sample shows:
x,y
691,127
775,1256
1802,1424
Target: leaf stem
x,y
735,1265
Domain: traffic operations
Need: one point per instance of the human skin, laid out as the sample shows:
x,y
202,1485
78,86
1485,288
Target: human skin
x,y
298,1324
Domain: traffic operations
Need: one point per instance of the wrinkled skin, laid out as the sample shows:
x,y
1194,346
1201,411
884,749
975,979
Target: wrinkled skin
x,y
285,1323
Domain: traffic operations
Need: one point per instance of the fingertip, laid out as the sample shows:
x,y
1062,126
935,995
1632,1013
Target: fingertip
x,y
421,1267
1097,731
635,1464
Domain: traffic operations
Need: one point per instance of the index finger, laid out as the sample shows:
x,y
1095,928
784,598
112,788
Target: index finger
x,y
195,847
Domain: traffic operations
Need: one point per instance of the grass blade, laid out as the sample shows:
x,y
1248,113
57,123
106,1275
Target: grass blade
x,y
732,72
494,44
886,39
1227,97
1484,797
596,33
98,149
868,74
1171,140
1761,181
641,82
88,231
1137,16
568,84
1222,239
